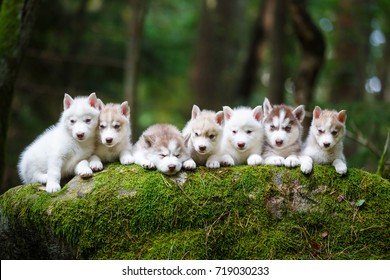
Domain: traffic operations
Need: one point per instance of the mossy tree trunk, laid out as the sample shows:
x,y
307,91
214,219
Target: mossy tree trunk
x,y
16,20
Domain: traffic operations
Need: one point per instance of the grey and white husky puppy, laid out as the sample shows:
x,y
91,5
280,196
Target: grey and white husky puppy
x,y
162,146
283,132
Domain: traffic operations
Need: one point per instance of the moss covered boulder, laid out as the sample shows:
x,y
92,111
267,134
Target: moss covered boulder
x,y
243,212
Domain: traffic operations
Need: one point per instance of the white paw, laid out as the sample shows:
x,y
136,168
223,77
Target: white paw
x,y
291,161
126,159
306,164
213,164
52,187
147,164
227,160
96,165
42,179
254,160
275,160
189,164
84,172
340,166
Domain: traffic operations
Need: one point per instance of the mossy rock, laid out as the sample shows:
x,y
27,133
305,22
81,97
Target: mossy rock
x,y
242,212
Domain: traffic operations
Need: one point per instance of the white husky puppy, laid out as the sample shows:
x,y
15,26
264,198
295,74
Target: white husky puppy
x,y
205,132
114,136
163,147
242,139
63,150
324,143
283,131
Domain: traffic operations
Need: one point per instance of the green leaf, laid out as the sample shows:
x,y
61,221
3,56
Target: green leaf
x,y
359,203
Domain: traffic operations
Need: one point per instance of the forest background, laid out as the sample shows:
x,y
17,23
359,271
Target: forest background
x,y
164,56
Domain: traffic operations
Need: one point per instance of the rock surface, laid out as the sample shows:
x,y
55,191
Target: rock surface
x,y
242,212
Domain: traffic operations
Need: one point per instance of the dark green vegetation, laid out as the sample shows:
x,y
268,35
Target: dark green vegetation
x,y
242,212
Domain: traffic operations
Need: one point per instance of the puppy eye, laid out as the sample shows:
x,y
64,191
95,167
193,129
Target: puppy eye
x,y
248,131
334,132
287,128
72,121
162,155
117,126
211,136
320,131
234,131
88,120
102,126
177,155
196,134
272,127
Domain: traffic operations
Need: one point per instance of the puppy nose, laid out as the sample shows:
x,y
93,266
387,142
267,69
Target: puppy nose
x,y
80,135
202,148
171,167
241,144
279,143
326,145
109,140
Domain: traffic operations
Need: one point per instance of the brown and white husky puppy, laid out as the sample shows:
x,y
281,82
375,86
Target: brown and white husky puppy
x,y
113,141
324,143
283,132
205,132
163,147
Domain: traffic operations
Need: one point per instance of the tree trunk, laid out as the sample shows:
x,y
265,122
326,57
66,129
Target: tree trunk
x,y
16,21
351,53
312,44
132,59
214,77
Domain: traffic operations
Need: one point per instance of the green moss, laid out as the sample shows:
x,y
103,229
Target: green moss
x,y
243,212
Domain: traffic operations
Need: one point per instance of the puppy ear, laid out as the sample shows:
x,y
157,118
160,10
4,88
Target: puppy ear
x,y
187,139
195,112
317,112
219,117
299,113
149,140
100,104
68,101
93,100
257,112
125,109
267,107
227,112
342,116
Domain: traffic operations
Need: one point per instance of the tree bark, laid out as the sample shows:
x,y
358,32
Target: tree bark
x,y
16,21
312,44
132,60
215,74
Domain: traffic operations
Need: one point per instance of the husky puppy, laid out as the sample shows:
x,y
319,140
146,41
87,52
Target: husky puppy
x,y
113,137
283,131
205,132
242,138
63,150
163,147
324,143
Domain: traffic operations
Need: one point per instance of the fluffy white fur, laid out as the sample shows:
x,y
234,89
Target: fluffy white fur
x,y
205,132
283,132
324,143
63,149
113,140
243,137
163,147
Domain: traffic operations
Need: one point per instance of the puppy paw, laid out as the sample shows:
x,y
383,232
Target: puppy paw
x,y
96,165
227,160
254,160
52,187
147,164
189,164
340,166
275,160
85,172
126,159
306,164
212,164
291,161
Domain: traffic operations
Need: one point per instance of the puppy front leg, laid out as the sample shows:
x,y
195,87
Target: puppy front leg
x,y
227,160
340,166
82,169
254,159
213,162
95,163
126,157
54,174
291,161
306,164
